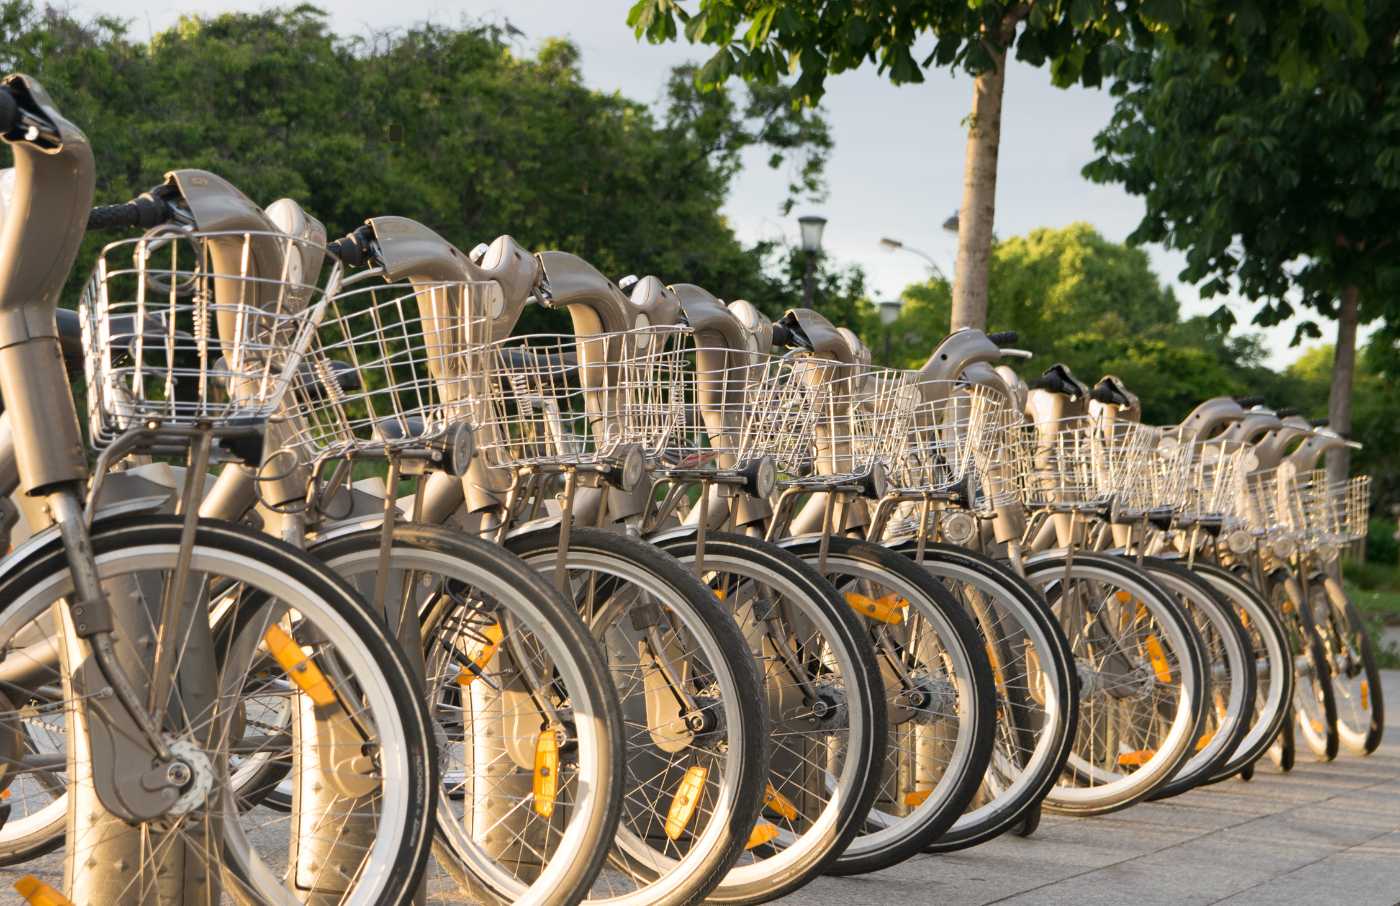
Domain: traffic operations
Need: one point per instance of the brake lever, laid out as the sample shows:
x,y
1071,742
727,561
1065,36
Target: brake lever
x,y
1017,353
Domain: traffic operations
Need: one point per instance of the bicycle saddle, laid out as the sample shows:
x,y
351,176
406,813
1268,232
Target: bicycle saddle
x,y
1059,379
391,429
121,328
560,365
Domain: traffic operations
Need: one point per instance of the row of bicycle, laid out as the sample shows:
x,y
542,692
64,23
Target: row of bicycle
x,y
678,603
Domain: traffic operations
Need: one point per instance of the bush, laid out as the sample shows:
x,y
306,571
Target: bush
x,y
1381,546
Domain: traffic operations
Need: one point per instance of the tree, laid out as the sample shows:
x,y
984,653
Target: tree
x,y
1283,191
1096,305
449,126
765,40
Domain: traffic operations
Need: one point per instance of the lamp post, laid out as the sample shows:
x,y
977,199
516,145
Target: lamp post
x,y
889,313
811,226
895,245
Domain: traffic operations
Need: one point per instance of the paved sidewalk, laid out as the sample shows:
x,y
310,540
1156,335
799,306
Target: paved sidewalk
x,y
1326,833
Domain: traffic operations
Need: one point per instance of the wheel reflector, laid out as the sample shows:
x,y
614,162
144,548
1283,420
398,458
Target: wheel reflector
x,y
1365,698
1204,740
762,833
300,668
687,798
1159,659
37,893
779,804
1136,758
888,609
493,636
546,782
916,798
996,666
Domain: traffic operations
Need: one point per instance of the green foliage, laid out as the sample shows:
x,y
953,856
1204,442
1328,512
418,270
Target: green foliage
x,y
1375,414
766,40
449,126
1075,297
1282,190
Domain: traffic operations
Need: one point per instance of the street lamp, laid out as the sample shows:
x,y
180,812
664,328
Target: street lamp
x,y
889,313
811,226
895,245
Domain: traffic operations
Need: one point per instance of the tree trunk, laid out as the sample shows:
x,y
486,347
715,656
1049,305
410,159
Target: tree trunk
x,y
1343,370
979,198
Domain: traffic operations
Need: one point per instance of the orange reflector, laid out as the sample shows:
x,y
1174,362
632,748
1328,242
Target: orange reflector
x,y
887,609
762,833
1204,740
1365,698
37,893
686,800
779,804
1136,758
996,665
493,635
721,593
916,798
1288,606
1316,725
546,780
5,794
1123,596
301,669
1159,660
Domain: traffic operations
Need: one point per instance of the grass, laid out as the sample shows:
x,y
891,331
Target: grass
x,y
1375,590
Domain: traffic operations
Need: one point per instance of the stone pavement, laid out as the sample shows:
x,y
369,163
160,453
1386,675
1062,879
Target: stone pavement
x,y
1325,833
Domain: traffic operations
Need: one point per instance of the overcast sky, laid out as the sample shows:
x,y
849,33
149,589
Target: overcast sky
x,y
897,166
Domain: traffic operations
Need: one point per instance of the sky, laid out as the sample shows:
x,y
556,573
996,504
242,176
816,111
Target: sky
x,y
896,169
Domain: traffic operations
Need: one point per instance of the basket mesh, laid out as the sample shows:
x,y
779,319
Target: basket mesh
x,y
183,329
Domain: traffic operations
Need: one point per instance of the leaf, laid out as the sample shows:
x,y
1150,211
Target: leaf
x,y
1164,12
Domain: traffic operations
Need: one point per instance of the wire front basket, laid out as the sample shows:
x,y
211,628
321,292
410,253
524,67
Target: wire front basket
x,y
863,416
185,329
954,430
1215,472
558,400
739,408
392,367
1353,501
1083,463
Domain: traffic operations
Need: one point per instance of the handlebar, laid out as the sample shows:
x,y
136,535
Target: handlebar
x,y
143,212
1249,402
1004,337
354,250
781,335
1287,412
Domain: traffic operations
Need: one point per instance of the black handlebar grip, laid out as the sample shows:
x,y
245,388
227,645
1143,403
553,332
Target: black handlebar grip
x,y
9,110
1044,382
781,335
1004,337
1249,402
1318,423
144,211
1288,412
353,250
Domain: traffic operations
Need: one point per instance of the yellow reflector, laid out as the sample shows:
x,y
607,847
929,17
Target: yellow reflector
x,y
1287,606
762,833
493,636
1204,740
1316,724
546,781
1159,660
887,609
1365,698
1136,758
37,893
687,798
301,669
916,798
779,804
